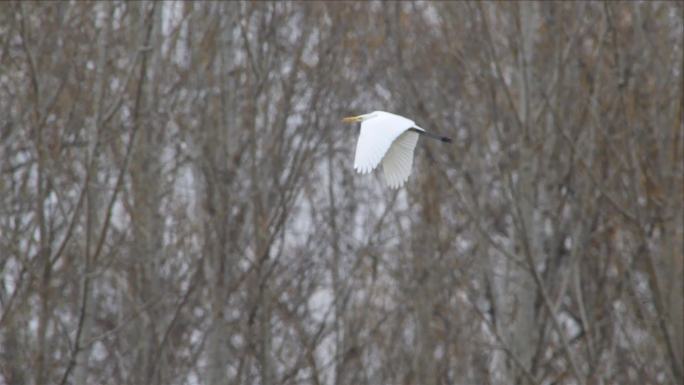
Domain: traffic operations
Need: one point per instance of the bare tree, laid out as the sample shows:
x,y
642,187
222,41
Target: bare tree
x,y
177,202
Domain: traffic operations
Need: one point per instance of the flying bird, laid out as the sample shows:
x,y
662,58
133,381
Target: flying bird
x,y
390,139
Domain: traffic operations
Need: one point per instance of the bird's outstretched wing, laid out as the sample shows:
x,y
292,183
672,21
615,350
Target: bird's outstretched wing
x,y
398,161
377,135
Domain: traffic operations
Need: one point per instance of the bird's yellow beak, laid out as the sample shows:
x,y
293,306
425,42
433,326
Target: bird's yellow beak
x,y
352,119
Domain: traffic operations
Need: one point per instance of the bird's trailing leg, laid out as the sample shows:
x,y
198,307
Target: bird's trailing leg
x,y
444,139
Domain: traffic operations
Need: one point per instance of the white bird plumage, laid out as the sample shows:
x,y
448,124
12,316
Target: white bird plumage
x,y
388,139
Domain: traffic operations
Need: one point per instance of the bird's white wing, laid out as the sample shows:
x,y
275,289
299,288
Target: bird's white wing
x,y
398,161
377,135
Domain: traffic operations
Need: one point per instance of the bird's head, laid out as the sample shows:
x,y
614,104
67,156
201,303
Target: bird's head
x,y
357,119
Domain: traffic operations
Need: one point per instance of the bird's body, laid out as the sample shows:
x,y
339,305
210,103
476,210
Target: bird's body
x,y
390,139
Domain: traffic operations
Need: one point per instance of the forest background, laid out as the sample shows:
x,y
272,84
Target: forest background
x,y
178,203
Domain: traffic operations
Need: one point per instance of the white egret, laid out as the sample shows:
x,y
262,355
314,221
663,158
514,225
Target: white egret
x,y
390,139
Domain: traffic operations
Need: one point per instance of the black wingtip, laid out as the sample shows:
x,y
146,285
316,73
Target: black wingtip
x,y
446,140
